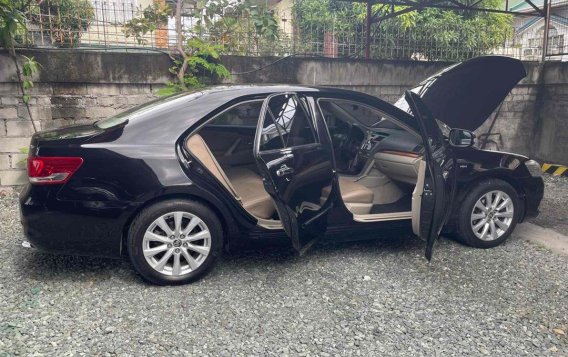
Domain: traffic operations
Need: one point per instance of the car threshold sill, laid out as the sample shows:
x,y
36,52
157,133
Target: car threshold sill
x,y
382,217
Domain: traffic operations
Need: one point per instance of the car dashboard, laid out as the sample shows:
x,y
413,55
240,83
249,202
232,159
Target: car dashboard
x,y
385,143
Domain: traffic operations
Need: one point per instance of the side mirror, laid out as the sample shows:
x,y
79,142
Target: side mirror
x,y
461,138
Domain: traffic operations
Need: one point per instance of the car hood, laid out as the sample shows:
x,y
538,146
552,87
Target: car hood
x,y
464,95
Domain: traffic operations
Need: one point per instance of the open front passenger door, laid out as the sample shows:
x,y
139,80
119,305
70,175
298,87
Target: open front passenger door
x,y
438,185
295,166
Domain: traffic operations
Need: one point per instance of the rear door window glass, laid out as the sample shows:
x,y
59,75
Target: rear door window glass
x,y
286,123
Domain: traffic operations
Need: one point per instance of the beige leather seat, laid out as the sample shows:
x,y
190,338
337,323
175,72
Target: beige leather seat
x,y
244,184
251,190
357,198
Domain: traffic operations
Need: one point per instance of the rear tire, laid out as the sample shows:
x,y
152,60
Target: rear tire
x,y
488,215
174,242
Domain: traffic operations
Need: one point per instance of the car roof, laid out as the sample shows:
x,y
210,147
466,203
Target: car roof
x,y
163,121
248,89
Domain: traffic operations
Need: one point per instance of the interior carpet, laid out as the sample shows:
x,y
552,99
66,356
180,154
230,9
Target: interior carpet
x,y
404,204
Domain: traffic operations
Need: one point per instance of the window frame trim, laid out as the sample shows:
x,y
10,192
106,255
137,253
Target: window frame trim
x,y
389,117
310,120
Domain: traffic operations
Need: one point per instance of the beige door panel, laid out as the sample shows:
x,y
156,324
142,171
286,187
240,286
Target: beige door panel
x,y
417,197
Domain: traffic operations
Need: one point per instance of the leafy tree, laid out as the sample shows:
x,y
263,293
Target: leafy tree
x,y
199,57
430,33
461,34
153,17
242,27
219,24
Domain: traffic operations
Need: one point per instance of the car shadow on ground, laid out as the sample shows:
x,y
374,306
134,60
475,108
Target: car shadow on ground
x,y
47,267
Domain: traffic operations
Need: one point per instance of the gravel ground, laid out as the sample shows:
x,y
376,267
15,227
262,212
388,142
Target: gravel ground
x,y
554,206
371,298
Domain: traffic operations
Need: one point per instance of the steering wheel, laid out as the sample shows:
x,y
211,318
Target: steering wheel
x,y
351,146
344,142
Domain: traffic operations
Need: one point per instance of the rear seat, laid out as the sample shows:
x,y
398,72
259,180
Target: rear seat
x,y
250,188
243,183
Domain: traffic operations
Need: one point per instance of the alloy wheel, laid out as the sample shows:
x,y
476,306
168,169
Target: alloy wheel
x,y
176,243
492,215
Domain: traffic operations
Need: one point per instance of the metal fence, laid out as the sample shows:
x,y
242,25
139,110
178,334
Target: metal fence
x,y
102,26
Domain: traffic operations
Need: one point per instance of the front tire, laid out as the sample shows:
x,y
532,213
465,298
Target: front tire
x,y
489,214
174,242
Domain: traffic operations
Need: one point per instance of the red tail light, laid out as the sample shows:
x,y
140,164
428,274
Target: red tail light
x,y
52,170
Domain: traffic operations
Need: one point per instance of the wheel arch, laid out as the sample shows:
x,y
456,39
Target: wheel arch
x,y
465,187
228,226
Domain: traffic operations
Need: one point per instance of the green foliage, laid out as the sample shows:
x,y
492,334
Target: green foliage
x,y
153,17
12,22
243,27
200,54
201,59
29,68
471,33
434,34
312,14
12,25
67,19
265,24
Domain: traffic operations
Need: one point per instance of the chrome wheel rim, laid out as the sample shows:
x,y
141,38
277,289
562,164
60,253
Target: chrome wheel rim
x,y
176,243
492,215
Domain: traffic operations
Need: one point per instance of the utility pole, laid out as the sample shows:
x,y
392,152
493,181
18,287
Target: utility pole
x,y
546,30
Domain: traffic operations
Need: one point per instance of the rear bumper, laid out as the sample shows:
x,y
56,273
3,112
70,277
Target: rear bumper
x,y
71,227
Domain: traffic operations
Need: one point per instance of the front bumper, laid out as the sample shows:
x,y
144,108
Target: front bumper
x,y
533,188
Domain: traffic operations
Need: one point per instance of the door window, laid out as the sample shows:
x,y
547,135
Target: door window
x,y
286,124
243,114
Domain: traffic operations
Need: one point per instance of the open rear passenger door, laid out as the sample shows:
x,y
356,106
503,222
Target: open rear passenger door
x,y
295,166
433,196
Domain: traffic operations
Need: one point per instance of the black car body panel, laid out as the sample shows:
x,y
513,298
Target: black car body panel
x,y
464,95
141,159
474,165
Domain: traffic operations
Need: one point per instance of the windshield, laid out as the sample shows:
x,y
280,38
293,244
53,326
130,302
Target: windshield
x,y
145,108
403,105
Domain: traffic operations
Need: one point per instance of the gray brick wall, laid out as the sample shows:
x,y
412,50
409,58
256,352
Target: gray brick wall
x,y
56,110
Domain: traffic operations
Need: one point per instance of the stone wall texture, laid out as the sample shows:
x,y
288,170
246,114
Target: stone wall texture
x,y
83,86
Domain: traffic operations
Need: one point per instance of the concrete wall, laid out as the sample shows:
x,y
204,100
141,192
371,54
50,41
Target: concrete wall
x,y
83,86
72,87
551,123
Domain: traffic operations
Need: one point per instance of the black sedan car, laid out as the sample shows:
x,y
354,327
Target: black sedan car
x,y
174,182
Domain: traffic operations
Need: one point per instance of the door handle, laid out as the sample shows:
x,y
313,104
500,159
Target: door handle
x,y
280,160
284,170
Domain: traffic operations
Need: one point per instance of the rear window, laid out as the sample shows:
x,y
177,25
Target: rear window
x,y
153,105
